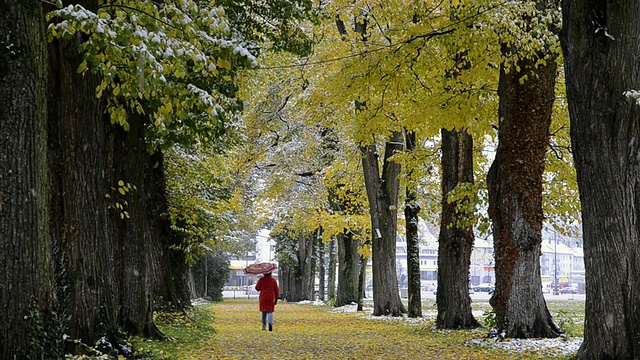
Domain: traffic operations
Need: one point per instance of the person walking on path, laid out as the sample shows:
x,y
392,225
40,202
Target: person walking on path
x,y
269,294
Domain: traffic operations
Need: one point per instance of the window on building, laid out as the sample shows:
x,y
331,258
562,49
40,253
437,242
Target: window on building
x,y
428,275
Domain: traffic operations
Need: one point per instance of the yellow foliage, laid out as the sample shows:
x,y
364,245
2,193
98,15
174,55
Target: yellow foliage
x,y
422,66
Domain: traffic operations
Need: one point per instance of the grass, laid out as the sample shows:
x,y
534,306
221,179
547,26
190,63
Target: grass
x,y
232,330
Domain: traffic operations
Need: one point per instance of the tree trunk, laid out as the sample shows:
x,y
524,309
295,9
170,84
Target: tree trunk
x,y
456,235
104,252
515,200
321,269
411,211
331,281
347,270
168,261
128,225
362,281
78,159
29,327
383,202
194,290
283,280
309,265
602,54
301,276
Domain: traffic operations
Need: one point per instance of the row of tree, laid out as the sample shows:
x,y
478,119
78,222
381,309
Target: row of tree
x,y
401,77
99,96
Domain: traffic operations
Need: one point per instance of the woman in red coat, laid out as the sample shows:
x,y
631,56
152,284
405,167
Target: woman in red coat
x,y
269,294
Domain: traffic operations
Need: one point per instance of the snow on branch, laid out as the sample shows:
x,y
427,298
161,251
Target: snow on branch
x,y
633,95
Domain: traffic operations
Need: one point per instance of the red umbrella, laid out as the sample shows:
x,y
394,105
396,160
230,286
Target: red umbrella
x,y
260,268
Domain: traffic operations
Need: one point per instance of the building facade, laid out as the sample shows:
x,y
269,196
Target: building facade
x,y
561,266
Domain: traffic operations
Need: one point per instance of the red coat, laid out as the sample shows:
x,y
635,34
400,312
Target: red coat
x,y
269,292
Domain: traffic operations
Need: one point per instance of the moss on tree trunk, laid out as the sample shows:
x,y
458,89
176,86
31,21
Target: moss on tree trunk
x,y
515,200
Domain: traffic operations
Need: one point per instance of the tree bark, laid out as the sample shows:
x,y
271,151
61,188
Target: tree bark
x,y
456,237
602,59
129,225
382,192
300,278
347,269
283,279
78,159
331,281
29,327
168,261
515,200
321,267
411,211
103,255
362,281
348,256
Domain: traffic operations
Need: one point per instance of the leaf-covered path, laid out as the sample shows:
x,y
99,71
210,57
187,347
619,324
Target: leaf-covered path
x,y
315,332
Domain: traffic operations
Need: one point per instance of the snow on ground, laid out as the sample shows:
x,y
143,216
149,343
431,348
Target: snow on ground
x,y
309,302
549,347
199,301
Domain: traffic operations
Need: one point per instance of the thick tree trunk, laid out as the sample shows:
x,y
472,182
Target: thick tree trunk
x,y
602,54
78,159
383,202
129,225
411,211
331,281
456,237
104,253
28,325
347,270
515,200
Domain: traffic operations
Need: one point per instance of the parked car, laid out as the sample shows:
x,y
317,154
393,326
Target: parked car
x,y
485,287
568,290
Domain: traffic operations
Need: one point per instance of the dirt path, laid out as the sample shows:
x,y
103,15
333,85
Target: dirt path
x,y
313,332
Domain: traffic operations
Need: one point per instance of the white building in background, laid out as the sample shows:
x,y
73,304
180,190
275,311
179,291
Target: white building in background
x,y
265,247
560,264
482,269
556,261
428,246
264,252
